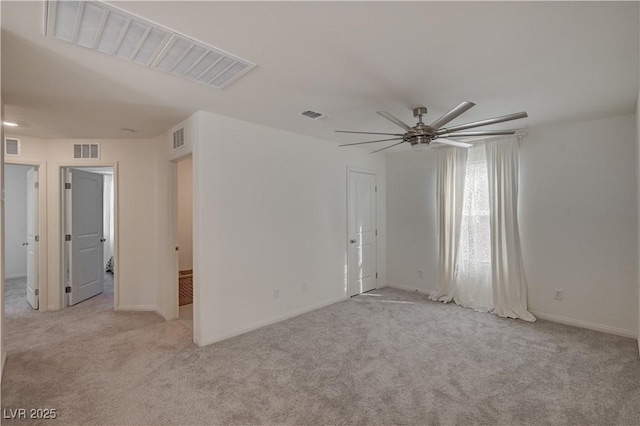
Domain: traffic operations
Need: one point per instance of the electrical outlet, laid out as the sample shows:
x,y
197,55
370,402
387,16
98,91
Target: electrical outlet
x,y
420,273
558,294
305,285
276,293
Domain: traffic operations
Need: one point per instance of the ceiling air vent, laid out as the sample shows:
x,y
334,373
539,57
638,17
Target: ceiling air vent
x,y
101,27
178,138
312,114
12,147
86,151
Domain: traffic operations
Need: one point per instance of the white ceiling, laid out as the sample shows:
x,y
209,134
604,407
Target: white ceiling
x,y
559,61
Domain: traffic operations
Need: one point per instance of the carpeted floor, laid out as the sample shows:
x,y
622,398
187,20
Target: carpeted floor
x,y
390,357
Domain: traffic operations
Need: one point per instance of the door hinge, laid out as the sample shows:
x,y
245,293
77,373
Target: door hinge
x,y
67,289
37,292
376,232
376,189
376,275
36,238
67,185
67,237
37,185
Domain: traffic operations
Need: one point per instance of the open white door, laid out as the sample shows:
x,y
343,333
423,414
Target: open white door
x,y
86,251
32,238
362,233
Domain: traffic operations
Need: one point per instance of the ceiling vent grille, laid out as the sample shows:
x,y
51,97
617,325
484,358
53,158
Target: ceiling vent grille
x,y
86,151
12,147
312,114
100,27
178,138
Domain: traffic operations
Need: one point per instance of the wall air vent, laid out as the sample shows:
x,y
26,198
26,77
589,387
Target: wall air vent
x,y
12,147
313,114
101,27
178,138
86,151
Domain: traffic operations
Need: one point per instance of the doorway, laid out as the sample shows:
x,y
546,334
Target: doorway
x,y
89,235
362,231
184,214
22,252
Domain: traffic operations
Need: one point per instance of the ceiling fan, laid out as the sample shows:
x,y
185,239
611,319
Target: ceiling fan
x,y
424,135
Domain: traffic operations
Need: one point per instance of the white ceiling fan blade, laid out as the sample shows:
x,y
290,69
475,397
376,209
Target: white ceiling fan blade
x,y
360,143
394,119
516,116
386,147
464,106
451,142
481,133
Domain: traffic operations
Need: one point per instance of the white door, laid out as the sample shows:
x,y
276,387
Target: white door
x,y
362,267
85,265
32,238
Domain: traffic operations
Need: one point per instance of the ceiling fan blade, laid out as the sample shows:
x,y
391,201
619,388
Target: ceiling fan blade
x,y
386,147
369,133
516,116
482,133
452,143
464,106
360,143
394,119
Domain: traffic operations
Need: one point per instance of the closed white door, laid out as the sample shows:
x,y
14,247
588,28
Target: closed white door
x,y
362,230
32,238
85,264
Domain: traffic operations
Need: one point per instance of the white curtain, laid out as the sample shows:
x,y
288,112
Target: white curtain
x,y
450,190
107,217
509,284
472,283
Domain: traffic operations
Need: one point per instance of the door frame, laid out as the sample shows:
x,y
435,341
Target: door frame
x,y
347,237
174,301
61,168
43,282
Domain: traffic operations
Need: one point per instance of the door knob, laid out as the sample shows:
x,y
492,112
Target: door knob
x,y
102,240
25,244
353,241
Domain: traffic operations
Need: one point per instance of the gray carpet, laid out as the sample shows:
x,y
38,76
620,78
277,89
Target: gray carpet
x,y
389,358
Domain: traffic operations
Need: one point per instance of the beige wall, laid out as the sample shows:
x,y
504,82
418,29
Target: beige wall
x,y
185,213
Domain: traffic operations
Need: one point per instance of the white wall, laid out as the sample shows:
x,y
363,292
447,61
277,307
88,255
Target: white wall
x,y
578,222
270,212
185,213
412,236
577,219
638,210
15,184
136,205
3,352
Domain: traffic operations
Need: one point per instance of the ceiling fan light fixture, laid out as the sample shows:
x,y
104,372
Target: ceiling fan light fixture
x,y
421,147
106,29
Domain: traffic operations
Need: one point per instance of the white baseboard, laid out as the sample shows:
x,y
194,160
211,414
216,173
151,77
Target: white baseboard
x,y
138,308
585,324
4,362
407,288
15,276
160,312
247,328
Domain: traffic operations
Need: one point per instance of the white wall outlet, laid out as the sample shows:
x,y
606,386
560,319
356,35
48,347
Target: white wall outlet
x,y
420,273
305,285
276,293
558,294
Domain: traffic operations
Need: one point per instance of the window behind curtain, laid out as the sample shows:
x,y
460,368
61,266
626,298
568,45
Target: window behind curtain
x,y
473,271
